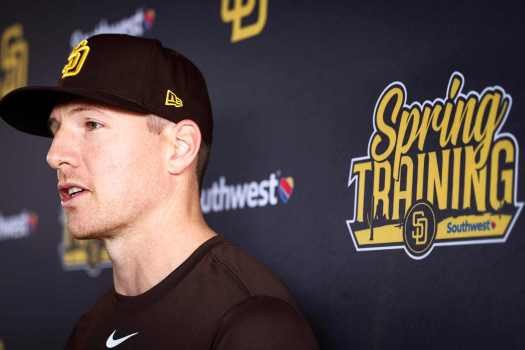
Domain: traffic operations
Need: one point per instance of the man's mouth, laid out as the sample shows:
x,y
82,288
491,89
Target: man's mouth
x,y
68,193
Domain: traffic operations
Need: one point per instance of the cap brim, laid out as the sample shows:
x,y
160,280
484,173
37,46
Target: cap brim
x,y
27,109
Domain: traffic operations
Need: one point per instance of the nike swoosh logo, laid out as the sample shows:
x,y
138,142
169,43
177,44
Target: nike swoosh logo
x,y
112,342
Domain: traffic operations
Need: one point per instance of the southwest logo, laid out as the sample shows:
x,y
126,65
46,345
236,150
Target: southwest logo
x,y
467,226
438,173
136,25
221,196
18,226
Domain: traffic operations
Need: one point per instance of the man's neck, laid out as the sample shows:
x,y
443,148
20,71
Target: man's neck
x,y
144,255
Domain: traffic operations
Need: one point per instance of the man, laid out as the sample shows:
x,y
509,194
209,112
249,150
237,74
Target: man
x,y
132,127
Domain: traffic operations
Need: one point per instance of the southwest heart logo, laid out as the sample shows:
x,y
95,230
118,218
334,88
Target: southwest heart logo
x,y
33,221
286,185
149,18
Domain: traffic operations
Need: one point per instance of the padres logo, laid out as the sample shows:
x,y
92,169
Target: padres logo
x,y
76,59
14,59
440,172
237,12
419,230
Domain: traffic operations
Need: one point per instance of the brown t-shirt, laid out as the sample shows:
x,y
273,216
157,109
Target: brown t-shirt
x,y
219,298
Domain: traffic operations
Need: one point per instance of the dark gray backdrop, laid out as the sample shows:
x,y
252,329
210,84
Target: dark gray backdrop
x,y
297,99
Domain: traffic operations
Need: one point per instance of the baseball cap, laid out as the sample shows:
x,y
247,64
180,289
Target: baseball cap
x,y
133,73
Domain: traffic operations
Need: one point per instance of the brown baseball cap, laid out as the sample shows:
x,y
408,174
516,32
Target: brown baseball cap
x,y
133,73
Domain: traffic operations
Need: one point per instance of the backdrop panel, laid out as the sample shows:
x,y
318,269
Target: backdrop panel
x,y
368,152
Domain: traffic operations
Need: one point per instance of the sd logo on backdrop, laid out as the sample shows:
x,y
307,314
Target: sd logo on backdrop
x,y
14,59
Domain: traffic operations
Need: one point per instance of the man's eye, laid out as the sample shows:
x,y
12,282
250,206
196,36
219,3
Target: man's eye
x,y
52,126
93,125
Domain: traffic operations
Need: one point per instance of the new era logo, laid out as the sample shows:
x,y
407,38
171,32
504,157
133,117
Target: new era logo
x,y
172,99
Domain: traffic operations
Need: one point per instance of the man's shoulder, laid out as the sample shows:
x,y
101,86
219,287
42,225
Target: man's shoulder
x,y
266,316
251,276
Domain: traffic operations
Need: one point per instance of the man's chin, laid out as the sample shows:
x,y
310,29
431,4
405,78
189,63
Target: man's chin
x,y
84,233
83,230
84,237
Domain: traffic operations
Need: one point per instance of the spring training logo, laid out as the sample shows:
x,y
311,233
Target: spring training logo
x,y
437,173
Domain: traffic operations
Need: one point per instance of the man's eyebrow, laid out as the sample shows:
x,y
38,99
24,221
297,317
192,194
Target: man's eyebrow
x,y
85,108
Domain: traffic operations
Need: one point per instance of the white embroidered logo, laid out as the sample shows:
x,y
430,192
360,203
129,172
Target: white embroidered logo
x,y
112,342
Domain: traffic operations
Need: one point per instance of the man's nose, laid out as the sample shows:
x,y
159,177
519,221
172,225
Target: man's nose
x,y
62,150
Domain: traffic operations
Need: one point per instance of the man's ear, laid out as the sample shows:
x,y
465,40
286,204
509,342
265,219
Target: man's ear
x,y
182,142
